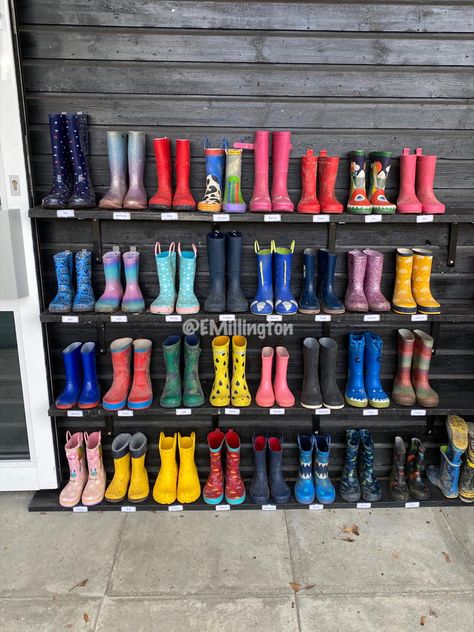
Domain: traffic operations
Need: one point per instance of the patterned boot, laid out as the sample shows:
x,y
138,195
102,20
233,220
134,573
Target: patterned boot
x,y
83,193
415,469
349,487
423,350
358,202
240,394
84,300
132,301
117,150
60,191
110,300
446,476
171,395
370,487
187,302
398,485
325,492
220,394
355,394
166,268
403,392
466,485
136,194
233,202
378,174
372,282
94,490
304,486
234,485
420,282
215,163
377,397
213,490
403,301
72,492
192,391
284,300
262,304
62,302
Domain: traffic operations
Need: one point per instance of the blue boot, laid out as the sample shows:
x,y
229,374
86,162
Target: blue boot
x,y
187,302
349,487
446,475
90,393
325,492
62,302
83,194
304,486
378,398
262,304
371,490
259,489
72,367
309,303
284,300
279,490
84,300
330,304
62,171
355,394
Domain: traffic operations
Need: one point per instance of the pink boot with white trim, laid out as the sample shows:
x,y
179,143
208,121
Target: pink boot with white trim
x,y
71,494
94,490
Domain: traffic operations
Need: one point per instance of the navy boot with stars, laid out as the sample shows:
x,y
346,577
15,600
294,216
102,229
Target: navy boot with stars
x,y
62,169
83,194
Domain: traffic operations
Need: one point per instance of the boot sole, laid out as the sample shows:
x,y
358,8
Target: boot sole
x,y
457,432
115,500
355,403
312,407
333,407
137,501
403,310
334,312
465,499
309,311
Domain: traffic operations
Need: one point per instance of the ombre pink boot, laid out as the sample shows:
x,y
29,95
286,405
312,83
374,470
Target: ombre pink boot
x,y
355,299
265,396
260,201
281,148
283,396
109,302
373,279
132,299
425,175
407,201
71,494
94,490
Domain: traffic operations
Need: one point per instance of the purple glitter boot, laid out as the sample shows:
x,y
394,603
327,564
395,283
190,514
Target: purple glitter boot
x,y
117,149
136,197
109,302
355,299
132,299
373,277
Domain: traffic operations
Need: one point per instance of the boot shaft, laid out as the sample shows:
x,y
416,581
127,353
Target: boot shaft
x,y
117,149
357,265
422,352
90,393
94,453
358,202
405,348
415,464
75,455
309,269
60,150
352,451
373,272
121,356
380,163
283,259
233,200
309,166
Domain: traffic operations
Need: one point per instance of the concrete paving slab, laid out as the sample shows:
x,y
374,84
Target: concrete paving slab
x,y
232,553
53,614
381,550
461,521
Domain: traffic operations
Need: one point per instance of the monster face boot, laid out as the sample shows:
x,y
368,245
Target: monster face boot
x,y
378,174
358,202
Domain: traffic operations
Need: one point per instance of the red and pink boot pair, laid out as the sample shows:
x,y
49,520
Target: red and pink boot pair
x,y
417,174
364,272
234,489
83,484
277,392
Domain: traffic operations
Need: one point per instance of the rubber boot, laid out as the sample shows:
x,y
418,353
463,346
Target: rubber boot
x,y
166,268
327,174
236,301
403,392
285,303
192,390
84,300
260,201
117,150
304,486
330,304
398,486
370,487
356,394
132,301
355,299
380,162
215,164
466,482
189,487
94,490
62,302
407,201
90,392
420,282
458,437
72,368
423,350
262,304
166,484
403,301
311,391
283,396
121,355
83,194
325,492
139,489
234,485
118,487
171,397
220,394
71,494
240,394
187,302
61,188
233,202
213,490
349,487
358,202
259,489
162,200
281,148
215,302
141,395
111,298
425,175
330,392
183,199
309,303
415,470
446,476
279,490
377,397
372,282
265,396
309,166
136,197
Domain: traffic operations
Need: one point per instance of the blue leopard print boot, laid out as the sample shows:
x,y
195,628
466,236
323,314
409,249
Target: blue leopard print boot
x,y
62,302
371,490
84,300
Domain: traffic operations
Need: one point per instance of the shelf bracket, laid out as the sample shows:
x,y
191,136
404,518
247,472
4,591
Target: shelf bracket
x,y
97,239
109,425
327,329
429,426
332,236
101,338
453,244
316,424
435,329
215,421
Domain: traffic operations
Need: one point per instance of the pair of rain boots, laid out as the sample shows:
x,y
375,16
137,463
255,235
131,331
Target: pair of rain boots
x,y
363,371
268,482
86,482
186,391
322,170
322,296
82,386
164,198
278,392
130,478
224,255
417,174
372,200
224,391
407,473
215,490
319,379
66,299
274,281
364,292
113,297
358,477
172,482
412,291
185,300
313,481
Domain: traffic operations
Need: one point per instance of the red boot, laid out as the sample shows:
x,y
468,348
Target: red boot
x,y
161,201
234,485
327,174
141,395
183,199
213,491
116,396
407,201
309,166
425,174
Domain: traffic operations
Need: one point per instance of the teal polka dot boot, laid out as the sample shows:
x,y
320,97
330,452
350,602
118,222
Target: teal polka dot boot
x,y
187,302
166,269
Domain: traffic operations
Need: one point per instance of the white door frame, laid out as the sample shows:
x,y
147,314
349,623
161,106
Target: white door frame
x,y
39,472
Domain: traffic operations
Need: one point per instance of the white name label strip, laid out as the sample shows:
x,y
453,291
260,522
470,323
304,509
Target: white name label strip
x,y
121,215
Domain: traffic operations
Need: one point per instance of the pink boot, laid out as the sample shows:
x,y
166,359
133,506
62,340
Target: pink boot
x,y
425,174
94,490
373,280
260,201
355,299
265,396
407,201
71,494
141,395
116,396
284,397
281,148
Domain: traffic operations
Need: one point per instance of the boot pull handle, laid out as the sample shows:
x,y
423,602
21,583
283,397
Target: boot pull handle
x,y
272,246
86,438
224,143
179,248
419,151
256,246
406,151
207,143
195,250
250,146
292,246
68,436
157,248
172,247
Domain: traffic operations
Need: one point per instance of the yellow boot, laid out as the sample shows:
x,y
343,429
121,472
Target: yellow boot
x,y
189,487
164,490
403,301
117,490
420,282
240,391
220,394
139,489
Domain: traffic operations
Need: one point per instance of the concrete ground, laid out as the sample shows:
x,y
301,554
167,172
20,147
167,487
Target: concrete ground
x,y
351,570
